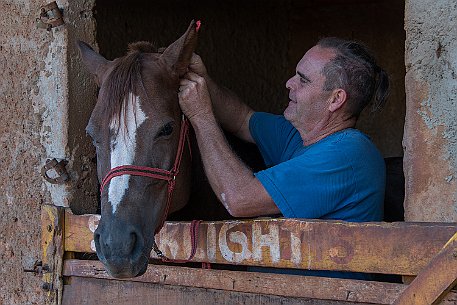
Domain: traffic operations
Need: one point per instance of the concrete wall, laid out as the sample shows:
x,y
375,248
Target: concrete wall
x,y
34,107
431,93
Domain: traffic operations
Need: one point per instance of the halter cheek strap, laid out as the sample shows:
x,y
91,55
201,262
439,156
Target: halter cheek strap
x,y
161,174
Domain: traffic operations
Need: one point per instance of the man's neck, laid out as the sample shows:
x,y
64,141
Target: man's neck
x,y
324,129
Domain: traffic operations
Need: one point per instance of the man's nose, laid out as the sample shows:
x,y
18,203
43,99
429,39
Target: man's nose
x,y
289,84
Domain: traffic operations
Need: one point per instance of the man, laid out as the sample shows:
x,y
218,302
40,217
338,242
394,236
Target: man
x,y
319,166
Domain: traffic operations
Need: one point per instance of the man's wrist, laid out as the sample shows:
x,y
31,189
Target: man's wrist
x,y
202,119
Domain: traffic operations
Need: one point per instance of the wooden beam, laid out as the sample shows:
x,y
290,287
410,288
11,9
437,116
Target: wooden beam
x,y
52,224
252,282
435,280
389,248
85,290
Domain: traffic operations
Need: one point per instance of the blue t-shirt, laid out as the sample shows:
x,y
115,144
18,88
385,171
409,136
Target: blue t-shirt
x,y
339,177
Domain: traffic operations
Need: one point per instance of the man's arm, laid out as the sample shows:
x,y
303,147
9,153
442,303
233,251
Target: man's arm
x,y
231,113
237,188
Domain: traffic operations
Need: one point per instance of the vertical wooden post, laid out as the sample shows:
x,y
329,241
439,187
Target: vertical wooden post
x,y
52,225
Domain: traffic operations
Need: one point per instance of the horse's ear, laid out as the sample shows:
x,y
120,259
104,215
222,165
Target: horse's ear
x,y
94,62
179,53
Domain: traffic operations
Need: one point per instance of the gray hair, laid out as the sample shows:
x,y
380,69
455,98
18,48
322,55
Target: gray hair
x,y
354,69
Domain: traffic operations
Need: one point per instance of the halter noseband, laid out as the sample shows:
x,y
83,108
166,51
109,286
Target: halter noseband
x,y
155,173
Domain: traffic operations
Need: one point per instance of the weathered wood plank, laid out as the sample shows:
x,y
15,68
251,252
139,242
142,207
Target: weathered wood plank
x,y
252,282
110,292
389,248
52,245
435,280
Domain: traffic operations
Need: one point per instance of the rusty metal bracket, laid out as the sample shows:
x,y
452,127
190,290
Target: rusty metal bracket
x,y
50,16
59,168
38,268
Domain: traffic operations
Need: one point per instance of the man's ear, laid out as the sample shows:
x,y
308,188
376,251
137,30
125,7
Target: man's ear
x,y
337,99
94,62
179,53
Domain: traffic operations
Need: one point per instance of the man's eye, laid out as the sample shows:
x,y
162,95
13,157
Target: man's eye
x,y
166,130
302,80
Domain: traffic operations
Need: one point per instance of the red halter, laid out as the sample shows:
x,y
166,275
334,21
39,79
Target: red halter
x,y
155,173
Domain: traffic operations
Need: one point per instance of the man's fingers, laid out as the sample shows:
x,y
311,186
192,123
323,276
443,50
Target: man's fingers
x,y
185,82
194,77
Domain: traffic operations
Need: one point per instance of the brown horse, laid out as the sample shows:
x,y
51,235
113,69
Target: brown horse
x,y
140,135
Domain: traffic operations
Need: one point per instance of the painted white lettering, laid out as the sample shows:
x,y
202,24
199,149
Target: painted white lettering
x,y
167,240
211,242
270,240
92,223
295,245
235,237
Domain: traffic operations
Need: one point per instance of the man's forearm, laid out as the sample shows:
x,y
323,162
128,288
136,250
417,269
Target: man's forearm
x,y
231,113
233,182
228,175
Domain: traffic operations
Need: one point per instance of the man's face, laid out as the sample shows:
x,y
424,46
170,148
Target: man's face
x,y
308,102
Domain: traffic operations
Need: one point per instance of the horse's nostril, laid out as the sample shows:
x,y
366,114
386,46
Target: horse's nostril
x,y
133,238
100,251
136,245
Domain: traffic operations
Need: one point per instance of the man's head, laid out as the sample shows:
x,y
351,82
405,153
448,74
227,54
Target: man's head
x,y
309,103
354,70
334,81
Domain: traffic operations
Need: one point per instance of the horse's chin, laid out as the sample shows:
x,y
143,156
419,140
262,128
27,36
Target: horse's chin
x,y
127,273
122,269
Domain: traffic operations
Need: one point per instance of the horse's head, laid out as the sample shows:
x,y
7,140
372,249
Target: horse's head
x,y
136,128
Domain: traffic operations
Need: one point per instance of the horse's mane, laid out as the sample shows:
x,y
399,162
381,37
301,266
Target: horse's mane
x,y
125,78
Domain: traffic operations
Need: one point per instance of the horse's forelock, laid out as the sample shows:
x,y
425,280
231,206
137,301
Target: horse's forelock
x,y
124,79
142,46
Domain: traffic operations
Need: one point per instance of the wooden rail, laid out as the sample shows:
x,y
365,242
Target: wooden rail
x,y
388,248
252,282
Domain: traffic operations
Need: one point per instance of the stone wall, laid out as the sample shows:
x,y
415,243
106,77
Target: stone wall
x,y
431,94
34,106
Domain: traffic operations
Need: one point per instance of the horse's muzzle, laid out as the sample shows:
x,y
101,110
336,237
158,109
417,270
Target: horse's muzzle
x,y
121,249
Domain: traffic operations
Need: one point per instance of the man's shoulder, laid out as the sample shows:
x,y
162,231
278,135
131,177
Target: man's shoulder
x,y
349,139
257,117
348,146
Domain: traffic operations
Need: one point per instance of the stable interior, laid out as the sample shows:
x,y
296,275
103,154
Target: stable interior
x,y
252,47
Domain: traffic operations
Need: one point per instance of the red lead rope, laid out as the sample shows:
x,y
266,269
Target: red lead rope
x,y
194,238
162,174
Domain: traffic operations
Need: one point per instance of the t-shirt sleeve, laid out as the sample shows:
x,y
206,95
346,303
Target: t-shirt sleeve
x,y
273,135
307,186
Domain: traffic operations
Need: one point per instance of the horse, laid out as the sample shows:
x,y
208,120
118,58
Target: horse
x,y
144,159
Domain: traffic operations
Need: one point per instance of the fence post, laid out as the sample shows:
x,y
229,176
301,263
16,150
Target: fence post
x,y
52,227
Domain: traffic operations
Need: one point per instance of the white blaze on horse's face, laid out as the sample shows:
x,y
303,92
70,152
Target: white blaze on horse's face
x,y
123,146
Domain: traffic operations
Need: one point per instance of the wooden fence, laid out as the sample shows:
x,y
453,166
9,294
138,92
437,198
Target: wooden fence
x,y
406,249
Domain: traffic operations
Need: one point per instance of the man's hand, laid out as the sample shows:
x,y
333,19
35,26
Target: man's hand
x,y
197,66
194,97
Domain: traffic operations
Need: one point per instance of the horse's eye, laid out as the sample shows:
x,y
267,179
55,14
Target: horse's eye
x,y
166,130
